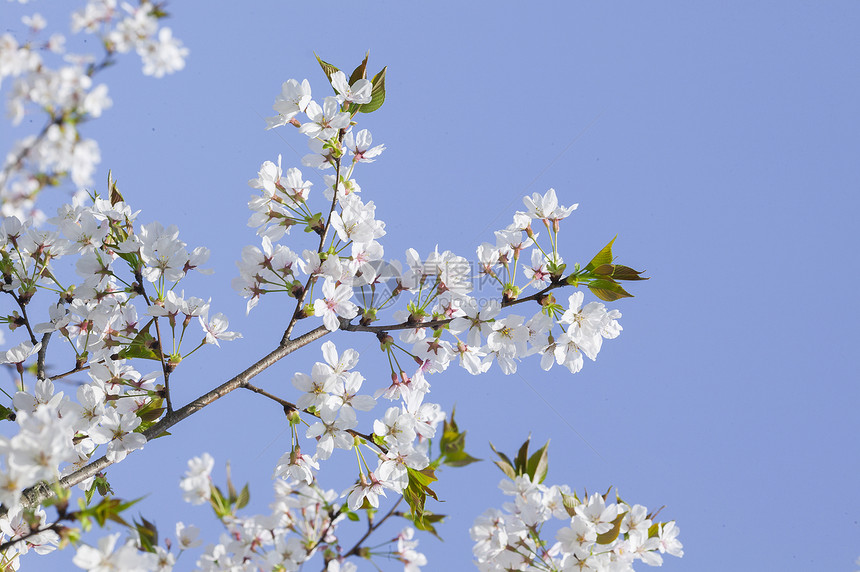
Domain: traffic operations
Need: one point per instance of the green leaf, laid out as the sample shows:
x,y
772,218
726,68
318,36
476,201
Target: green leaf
x,y
131,258
102,485
607,290
570,503
149,414
142,345
416,491
231,490
459,459
113,193
619,272
423,477
377,94
602,257
427,521
327,68
504,464
451,436
352,516
521,462
453,443
219,502
243,498
538,464
107,509
6,413
360,72
147,533
315,224
611,534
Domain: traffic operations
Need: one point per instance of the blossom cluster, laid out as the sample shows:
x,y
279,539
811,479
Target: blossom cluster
x,y
354,280
123,307
597,536
104,314
304,515
66,95
98,316
303,522
400,438
110,554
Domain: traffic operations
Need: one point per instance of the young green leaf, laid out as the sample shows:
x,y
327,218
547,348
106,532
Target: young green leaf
x,y
142,346
538,464
608,290
377,94
602,257
570,503
243,498
521,461
327,68
417,490
452,445
612,534
147,534
619,272
427,521
504,464
360,72
6,413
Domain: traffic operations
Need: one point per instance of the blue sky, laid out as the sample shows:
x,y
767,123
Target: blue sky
x,y
718,140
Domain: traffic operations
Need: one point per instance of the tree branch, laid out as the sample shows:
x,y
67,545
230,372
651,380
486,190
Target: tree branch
x,y
537,297
288,405
323,236
371,527
40,360
31,533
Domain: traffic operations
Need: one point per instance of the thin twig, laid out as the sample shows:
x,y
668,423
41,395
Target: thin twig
x,y
70,372
26,319
323,237
164,368
10,543
537,297
288,405
372,526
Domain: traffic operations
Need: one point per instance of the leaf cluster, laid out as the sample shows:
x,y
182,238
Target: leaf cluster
x,y
377,92
601,276
535,466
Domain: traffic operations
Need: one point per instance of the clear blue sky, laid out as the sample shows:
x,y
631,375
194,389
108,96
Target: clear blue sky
x,y
719,140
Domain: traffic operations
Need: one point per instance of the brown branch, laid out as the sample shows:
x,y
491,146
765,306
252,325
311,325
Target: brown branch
x,y
40,360
371,527
164,366
70,372
537,297
56,526
287,405
332,515
23,307
323,236
283,402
